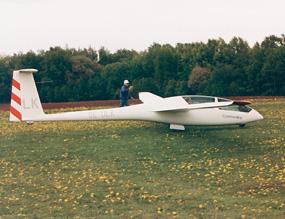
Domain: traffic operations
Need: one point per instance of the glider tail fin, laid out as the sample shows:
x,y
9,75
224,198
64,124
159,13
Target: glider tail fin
x,y
25,101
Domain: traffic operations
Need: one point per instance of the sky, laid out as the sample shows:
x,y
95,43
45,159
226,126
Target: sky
x,y
133,24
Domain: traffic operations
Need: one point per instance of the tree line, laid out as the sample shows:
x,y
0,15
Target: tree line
x,y
214,68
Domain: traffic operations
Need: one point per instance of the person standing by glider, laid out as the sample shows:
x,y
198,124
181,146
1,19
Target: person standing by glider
x,y
124,94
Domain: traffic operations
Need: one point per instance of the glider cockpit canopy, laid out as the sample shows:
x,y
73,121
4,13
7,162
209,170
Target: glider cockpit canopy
x,y
240,106
196,99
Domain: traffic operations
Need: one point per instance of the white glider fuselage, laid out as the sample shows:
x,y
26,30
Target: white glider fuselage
x,y
176,111
204,116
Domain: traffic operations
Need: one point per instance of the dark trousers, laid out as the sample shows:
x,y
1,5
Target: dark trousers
x,y
124,102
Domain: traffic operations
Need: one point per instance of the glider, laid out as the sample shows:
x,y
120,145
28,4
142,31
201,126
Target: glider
x,y
177,111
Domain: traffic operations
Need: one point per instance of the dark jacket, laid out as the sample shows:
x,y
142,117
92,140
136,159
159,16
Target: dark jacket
x,y
124,93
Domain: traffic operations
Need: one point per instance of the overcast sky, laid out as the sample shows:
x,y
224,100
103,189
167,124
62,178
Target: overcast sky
x,y
133,24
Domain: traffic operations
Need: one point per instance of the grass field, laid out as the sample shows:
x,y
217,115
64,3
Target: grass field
x,y
144,170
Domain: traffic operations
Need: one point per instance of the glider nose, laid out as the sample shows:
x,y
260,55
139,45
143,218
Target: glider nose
x,y
260,116
257,115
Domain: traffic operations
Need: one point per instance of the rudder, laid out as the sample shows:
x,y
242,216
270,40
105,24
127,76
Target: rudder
x,y
25,101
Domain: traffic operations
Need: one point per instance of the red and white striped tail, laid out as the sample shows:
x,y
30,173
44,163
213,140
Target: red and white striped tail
x,y
25,101
16,103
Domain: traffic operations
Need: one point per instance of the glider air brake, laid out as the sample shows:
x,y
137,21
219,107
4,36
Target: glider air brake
x,y
176,111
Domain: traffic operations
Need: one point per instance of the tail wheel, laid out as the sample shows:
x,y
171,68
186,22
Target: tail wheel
x,y
242,125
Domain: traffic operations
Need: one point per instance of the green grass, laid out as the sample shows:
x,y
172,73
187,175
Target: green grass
x,y
144,170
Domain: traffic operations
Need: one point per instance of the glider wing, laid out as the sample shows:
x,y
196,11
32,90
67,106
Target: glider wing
x,y
158,104
179,104
149,98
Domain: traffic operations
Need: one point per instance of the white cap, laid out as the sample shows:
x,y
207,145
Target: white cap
x,y
126,82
